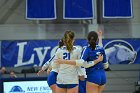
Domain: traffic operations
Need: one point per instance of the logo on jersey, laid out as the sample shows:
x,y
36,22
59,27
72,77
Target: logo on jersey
x,y
98,53
120,52
16,89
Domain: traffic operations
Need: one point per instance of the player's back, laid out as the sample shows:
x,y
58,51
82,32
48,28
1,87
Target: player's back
x,y
90,55
67,73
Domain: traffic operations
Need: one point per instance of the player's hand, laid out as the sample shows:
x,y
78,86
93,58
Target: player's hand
x,y
40,72
48,71
100,58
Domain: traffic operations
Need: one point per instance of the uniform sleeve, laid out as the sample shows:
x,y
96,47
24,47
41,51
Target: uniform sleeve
x,y
57,56
106,65
104,56
47,64
83,60
81,71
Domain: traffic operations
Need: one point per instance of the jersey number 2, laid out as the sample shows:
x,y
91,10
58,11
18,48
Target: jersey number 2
x,y
66,56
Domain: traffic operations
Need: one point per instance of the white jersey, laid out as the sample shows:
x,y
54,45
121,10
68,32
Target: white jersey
x,y
68,74
51,64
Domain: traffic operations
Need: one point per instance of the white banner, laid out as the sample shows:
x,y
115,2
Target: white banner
x,y
26,87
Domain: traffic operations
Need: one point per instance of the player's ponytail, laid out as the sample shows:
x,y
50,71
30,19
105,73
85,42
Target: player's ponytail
x,y
92,39
68,40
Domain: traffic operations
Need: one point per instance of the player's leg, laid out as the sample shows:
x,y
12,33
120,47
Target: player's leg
x,y
103,81
60,90
53,88
52,80
91,87
73,89
101,88
93,81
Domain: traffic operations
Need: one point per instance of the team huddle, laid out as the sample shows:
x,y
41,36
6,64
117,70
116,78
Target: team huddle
x,y
77,71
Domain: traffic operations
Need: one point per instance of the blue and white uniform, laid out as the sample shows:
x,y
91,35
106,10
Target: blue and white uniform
x,y
96,73
68,74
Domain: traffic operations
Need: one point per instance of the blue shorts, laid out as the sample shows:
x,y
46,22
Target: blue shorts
x,y
67,85
82,86
97,76
52,78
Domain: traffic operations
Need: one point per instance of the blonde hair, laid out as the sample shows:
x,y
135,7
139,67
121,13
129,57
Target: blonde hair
x,y
68,40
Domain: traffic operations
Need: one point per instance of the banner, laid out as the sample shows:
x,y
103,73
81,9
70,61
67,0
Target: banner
x,y
41,9
78,9
26,87
37,52
117,9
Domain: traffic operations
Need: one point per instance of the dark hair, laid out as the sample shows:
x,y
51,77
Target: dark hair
x,y
68,40
61,43
92,39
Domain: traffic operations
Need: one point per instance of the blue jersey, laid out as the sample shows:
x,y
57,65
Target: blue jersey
x,y
96,73
90,55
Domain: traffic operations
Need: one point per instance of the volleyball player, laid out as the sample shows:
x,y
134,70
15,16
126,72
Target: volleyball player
x,y
82,83
67,78
53,70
